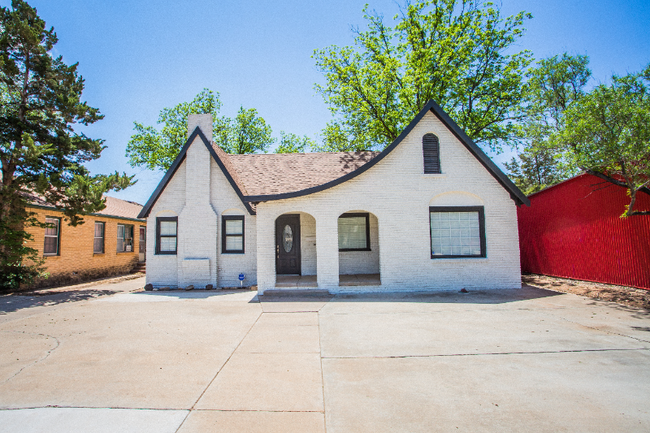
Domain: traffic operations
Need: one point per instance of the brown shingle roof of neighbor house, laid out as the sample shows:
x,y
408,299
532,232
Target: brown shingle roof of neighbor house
x,y
120,208
114,206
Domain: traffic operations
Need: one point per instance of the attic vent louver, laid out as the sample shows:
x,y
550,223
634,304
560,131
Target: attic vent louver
x,y
431,153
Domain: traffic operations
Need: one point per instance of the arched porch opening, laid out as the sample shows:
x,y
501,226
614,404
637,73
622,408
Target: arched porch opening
x,y
295,250
358,239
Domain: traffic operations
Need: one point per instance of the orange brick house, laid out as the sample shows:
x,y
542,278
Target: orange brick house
x,y
110,242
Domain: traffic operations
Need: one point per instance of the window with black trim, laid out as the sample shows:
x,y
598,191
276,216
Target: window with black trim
x,y
232,239
52,236
98,241
431,153
457,231
166,235
124,238
354,232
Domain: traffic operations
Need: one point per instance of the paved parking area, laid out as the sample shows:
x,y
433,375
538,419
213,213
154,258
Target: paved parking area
x,y
521,360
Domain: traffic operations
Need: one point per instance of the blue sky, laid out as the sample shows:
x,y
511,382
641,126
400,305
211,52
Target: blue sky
x,y
143,55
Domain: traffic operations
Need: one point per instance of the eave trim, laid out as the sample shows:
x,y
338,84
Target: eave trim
x,y
144,213
515,193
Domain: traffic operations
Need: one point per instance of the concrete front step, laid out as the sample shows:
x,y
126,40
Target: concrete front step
x,y
140,268
315,293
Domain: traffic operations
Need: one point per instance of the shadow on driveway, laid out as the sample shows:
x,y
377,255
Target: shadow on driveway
x,y
500,296
15,302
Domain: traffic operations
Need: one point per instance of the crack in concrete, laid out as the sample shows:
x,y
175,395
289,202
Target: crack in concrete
x,y
641,340
541,352
193,408
43,358
56,406
322,373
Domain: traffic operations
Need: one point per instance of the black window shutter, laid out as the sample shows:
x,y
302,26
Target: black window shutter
x,y
431,152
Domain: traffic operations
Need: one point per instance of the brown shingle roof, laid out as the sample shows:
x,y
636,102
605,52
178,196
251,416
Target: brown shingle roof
x,y
114,206
269,174
120,208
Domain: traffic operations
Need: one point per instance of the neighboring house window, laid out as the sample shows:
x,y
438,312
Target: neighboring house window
x,y
354,232
98,243
166,235
457,231
233,234
51,247
124,238
431,153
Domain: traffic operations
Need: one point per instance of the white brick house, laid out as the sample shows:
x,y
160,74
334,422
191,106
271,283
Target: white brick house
x,y
431,211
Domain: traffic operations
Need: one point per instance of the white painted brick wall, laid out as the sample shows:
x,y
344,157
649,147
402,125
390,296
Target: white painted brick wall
x,y
226,202
395,191
398,193
308,257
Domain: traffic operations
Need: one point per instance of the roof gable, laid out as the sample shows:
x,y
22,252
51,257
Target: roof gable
x,y
177,162
515,193
257,178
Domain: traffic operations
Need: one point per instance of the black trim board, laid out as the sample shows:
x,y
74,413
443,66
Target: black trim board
x,y
515,193
144,213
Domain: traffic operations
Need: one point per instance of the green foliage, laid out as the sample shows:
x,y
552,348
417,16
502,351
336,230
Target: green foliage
x,y
157,149
154,149
39,150
552,86
451,51
246,133
292,143
607,133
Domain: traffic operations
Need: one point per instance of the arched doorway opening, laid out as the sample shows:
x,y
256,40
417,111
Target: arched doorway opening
x,y
358,237
295,250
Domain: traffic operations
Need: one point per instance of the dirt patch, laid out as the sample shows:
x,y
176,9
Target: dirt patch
x,y
86,285
629,296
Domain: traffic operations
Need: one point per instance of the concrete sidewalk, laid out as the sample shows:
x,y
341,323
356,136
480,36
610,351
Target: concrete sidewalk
x,y
521,360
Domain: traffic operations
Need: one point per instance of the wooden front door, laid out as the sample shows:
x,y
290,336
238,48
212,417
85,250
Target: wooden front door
x,y
287,244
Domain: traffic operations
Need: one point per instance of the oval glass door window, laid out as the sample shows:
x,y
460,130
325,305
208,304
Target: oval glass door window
x,y
287,238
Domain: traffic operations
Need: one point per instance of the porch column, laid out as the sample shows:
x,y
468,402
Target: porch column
x,y
265,249
327,250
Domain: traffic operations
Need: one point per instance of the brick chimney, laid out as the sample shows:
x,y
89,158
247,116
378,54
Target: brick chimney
x,y
203,121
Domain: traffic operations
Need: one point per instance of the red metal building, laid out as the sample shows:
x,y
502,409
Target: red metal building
x,y
574,230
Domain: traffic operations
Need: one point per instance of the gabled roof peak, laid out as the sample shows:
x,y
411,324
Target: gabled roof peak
x,y
267,177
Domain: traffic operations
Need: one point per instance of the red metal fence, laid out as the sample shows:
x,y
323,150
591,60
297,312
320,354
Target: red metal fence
x,y
574,230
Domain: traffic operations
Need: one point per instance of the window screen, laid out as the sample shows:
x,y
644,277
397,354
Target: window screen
x,y
98,242
124,238
457,232
233,234
354,232
51,246
166,235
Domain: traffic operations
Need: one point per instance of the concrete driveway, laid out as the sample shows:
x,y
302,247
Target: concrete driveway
x,y
103,359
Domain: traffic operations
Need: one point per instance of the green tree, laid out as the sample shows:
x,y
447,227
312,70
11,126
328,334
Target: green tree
x,y
607,133
552,86
292,143
246,133
455,52
157,149
40,153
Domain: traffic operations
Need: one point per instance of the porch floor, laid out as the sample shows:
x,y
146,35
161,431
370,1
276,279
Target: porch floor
x,y
311,281
296,281
360,280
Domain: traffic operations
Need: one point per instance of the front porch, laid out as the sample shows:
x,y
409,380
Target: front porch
x,y
303,281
